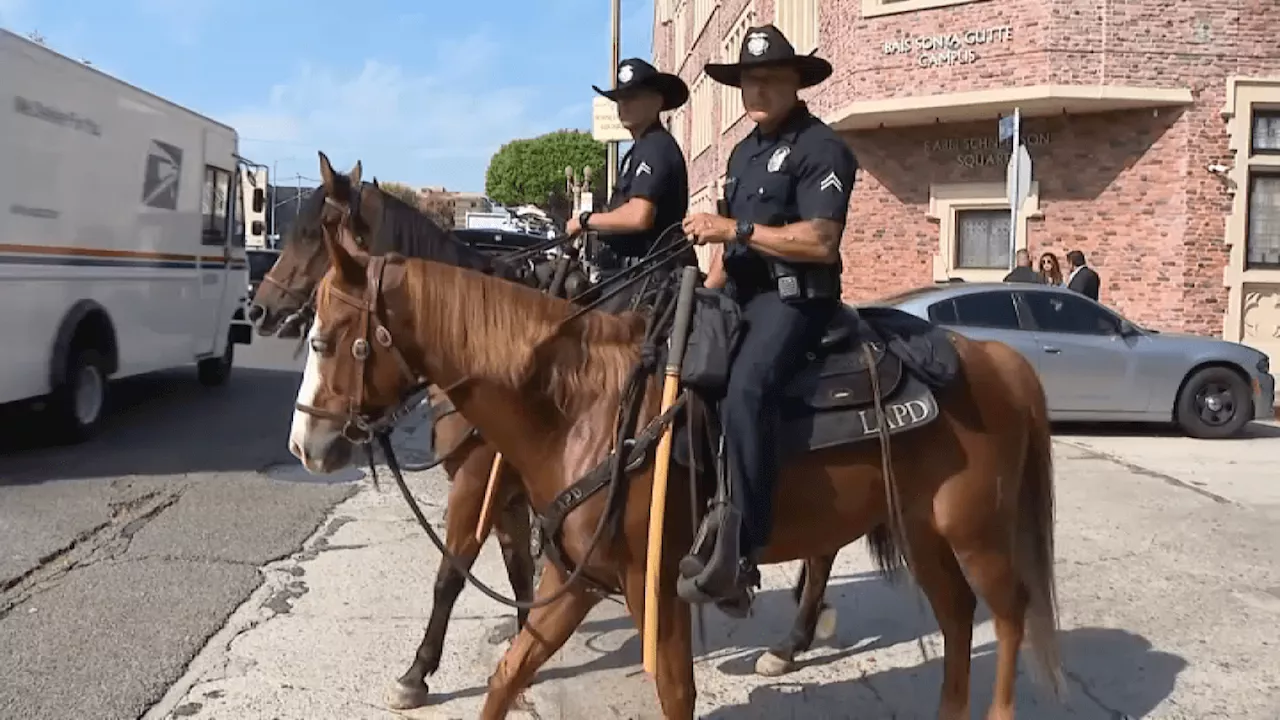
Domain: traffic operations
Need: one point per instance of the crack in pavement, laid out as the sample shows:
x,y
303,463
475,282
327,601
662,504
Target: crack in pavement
x,y
102,543
1132,467
1088,692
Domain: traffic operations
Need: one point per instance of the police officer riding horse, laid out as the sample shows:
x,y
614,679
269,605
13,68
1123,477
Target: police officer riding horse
x,y
787,194
652,192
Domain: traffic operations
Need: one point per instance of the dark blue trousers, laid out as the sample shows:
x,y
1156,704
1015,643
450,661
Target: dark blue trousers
x,y
777,336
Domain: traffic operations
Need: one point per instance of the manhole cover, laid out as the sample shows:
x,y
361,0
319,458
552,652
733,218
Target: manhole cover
x,y
294,472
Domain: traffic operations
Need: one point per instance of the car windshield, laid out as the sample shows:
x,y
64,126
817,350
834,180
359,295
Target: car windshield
x,y
260,263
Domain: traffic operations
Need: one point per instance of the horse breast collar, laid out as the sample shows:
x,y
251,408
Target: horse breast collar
x,y
359,426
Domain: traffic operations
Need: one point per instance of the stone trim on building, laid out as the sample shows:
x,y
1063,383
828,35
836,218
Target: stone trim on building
x,y
947,201
1253,294
878,8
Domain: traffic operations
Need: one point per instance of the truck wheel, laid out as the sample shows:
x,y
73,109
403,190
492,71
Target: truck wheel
x,y
1215,403
215,371
80,401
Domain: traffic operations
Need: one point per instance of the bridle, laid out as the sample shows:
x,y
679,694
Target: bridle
x,y
348,213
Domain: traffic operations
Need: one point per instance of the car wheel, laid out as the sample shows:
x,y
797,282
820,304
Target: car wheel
x,y
79,402
1215,403
215,371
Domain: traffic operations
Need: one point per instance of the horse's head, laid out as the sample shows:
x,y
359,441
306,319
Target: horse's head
x,y
280,304
356,374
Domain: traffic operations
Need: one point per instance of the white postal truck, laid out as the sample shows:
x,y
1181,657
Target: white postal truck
x,y
121,239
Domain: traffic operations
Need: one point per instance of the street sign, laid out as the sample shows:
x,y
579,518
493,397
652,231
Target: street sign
x,y
605,125
1008,127
1018,178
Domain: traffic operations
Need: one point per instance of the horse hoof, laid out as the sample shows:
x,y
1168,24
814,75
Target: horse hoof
x,y
826,625
403,696
770,665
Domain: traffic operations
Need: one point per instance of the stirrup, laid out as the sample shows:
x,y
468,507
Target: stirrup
x,y
692,565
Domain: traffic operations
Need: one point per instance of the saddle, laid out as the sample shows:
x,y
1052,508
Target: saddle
x,y
831,402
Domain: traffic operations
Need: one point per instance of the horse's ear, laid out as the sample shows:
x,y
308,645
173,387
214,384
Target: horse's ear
x,y
349,270
375,182
326,174
355,173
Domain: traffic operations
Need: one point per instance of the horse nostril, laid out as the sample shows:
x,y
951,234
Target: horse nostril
x,y
256,313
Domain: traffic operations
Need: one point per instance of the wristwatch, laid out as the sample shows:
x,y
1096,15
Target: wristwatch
x,y
743,230
583,218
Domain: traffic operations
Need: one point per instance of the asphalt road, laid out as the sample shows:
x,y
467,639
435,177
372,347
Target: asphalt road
x,y
119,558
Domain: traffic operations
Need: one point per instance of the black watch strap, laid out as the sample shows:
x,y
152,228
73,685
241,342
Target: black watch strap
x,y
584,218
743,230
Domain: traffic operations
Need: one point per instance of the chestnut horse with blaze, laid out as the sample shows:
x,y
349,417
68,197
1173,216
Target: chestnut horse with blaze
x,y
969,490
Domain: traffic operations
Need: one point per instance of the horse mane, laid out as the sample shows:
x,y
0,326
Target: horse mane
x,y
516,336
407,230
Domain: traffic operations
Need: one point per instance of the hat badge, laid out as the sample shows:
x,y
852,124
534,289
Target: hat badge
x,y
757,43
625,73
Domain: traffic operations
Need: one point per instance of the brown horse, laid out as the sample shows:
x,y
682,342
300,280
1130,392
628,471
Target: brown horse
x,y
390,225
973,488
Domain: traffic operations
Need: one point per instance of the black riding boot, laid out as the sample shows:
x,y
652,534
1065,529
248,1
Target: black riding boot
x,y
721,573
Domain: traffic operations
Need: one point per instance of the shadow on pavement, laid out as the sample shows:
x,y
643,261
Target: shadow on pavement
x,y
1251,431
1110,673
164,423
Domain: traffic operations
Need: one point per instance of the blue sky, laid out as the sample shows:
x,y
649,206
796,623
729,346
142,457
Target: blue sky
x,y
422,92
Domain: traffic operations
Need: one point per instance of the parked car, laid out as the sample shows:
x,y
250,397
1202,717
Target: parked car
x,y
1098,366
492,240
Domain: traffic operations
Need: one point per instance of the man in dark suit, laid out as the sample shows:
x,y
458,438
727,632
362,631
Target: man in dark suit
x,y
1082,278
1022,271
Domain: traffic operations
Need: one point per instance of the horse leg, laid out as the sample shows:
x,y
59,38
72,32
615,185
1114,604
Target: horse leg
x,y
466,495
994,575
513,529
676,690
548,628
809,594
953,602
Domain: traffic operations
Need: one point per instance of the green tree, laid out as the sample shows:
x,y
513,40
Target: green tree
x,y
531,171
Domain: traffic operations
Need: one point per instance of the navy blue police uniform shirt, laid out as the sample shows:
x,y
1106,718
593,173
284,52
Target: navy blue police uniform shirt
x,y
653,169
804,171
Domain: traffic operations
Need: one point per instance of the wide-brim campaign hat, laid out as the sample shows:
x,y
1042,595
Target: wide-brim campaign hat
x,y
634,73
766,46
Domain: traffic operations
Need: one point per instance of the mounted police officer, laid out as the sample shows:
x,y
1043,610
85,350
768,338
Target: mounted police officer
x,y
652,191
787,192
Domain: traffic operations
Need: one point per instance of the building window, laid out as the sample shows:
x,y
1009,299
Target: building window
x,y
973,229
1262,238
679,39
1266,131
875,8
798,20
700,116
982,239
731,97
214,205
675,126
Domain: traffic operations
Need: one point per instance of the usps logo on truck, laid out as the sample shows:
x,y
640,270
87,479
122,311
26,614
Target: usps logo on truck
x,y
164,168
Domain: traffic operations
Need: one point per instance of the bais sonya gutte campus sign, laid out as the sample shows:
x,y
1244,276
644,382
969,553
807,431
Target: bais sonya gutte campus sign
x,y
960,47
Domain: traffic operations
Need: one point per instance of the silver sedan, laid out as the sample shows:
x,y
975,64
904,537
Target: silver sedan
x,y
1097,366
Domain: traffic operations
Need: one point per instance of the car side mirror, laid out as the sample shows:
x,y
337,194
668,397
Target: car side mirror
x,y
1128,329
259,201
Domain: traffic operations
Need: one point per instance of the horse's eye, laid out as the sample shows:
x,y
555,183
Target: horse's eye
x,y
318,345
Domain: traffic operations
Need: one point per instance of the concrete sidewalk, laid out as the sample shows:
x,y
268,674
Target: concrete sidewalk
x,y
1170,600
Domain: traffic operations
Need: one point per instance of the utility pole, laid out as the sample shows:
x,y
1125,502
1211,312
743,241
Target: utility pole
x,y
615,21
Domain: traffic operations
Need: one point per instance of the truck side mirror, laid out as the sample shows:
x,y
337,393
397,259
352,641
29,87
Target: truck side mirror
x,y
259,200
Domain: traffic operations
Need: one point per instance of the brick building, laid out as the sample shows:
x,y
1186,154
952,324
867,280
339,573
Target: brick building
x,y
1153,127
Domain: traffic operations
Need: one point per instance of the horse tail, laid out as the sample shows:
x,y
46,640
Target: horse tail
x,y
888,557
1035,530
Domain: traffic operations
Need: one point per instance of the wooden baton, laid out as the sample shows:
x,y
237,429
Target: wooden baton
x,y
662,464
